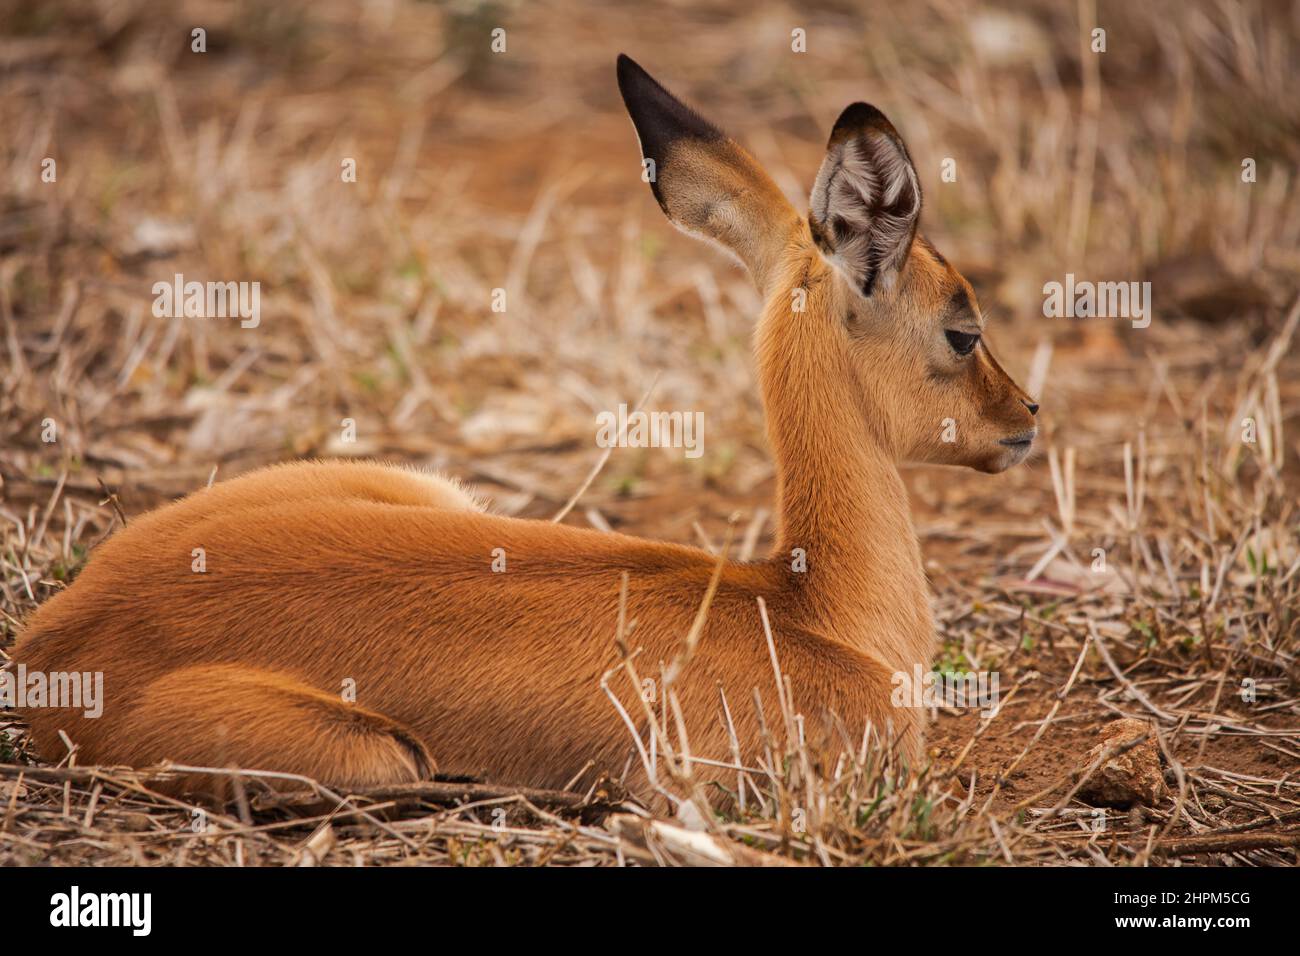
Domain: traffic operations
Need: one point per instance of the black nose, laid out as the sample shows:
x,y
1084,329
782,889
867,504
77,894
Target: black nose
x,y
1032,406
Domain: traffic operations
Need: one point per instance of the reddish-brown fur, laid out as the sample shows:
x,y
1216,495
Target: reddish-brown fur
x,y
323,574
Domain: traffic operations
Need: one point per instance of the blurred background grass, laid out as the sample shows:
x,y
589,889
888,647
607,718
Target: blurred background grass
x,y
518,170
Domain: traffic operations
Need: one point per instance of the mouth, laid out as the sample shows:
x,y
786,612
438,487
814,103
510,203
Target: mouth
x,y
1017,449
1020,442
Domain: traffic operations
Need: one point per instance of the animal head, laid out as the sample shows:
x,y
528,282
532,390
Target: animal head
x,y
886,313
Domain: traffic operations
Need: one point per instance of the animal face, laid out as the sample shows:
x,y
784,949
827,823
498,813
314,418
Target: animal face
x,y
926,372
909,331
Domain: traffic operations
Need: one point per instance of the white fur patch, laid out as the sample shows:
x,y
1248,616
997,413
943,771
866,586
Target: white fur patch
x,y
444,491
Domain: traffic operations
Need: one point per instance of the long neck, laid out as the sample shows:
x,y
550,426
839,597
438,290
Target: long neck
x,y
840,497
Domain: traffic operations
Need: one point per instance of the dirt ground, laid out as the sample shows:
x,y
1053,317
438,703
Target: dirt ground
x,y
479,171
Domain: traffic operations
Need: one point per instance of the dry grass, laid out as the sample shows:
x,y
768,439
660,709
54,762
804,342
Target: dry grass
x,y
478,172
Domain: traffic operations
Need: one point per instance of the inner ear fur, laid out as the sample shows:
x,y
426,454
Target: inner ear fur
x,y
866,201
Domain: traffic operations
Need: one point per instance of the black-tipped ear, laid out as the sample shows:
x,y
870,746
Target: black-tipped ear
x,y
704,182
661,120
867,199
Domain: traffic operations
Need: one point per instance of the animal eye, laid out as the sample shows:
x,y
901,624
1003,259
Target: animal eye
x,y
963,343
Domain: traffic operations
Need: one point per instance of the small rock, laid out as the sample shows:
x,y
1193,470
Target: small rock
x,y
1132,777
